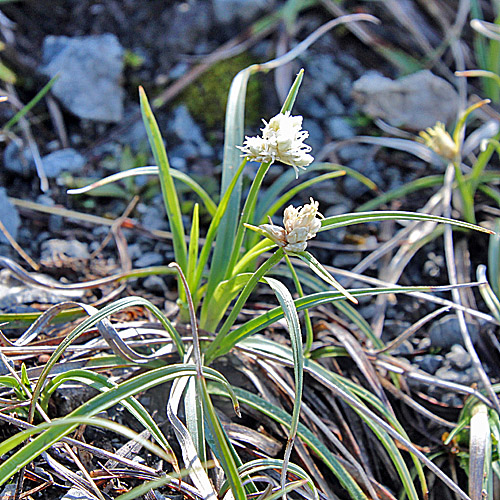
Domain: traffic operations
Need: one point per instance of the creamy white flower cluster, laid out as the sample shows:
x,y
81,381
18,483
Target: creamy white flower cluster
x,y
301,224
282,140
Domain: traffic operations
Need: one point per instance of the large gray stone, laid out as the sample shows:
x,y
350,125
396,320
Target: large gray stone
x,y
446,332
90,69
64,160
9,216
414,102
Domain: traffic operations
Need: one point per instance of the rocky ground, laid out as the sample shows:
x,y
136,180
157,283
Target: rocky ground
x,y
89,126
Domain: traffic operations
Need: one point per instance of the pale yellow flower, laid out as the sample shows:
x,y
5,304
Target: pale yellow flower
x,y
301,224
282,140
440,141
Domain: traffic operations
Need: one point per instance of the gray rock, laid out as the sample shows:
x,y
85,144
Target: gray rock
x,y
405,348
72,249
229,11
17,160
155,284
64,160
334,104
415,101
8,492
446,332
149,259
452,400
351,152
77,494
90,69
154,218
311,106
184,29
189,132
322,68
429,362
353,188
459,358
4,367
465,377
71,395
9,216
339,128
134,136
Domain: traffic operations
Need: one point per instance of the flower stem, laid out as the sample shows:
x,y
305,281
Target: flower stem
x,y
247,214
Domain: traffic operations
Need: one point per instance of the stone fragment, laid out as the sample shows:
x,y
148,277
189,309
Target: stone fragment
x,y
64,160
414,102
18,160
9,216
229,11
90,69
459,358
446,332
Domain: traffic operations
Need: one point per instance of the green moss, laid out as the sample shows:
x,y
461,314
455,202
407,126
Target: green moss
x,y
206,98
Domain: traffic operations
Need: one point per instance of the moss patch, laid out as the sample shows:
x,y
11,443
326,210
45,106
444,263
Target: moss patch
x,y
206,98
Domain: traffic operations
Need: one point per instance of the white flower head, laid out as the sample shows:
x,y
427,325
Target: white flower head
x,y
282,140
301,224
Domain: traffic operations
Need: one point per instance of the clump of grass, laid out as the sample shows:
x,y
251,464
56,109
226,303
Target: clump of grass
x,y
216,278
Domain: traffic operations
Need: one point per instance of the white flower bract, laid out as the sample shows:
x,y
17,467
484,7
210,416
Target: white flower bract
x,y
301,224
282,140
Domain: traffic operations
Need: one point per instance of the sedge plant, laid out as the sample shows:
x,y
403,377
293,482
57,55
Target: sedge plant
x,y
216,280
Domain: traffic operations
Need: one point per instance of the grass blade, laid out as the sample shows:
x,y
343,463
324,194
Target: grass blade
x,y
26,109
226,342
94,320
170,198
97,404
479,450
102,383
152,170
193,245
280,416
288,306
360,218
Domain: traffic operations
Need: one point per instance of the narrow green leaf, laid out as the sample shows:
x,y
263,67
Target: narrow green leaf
x,y
317,268
92,321
223,344
92,407
401,192
364,217
292,319
280,416
258,465
103,384
224,450
153,170
292,93
247,290
223,295
215,225
170,198
26,109
193,246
